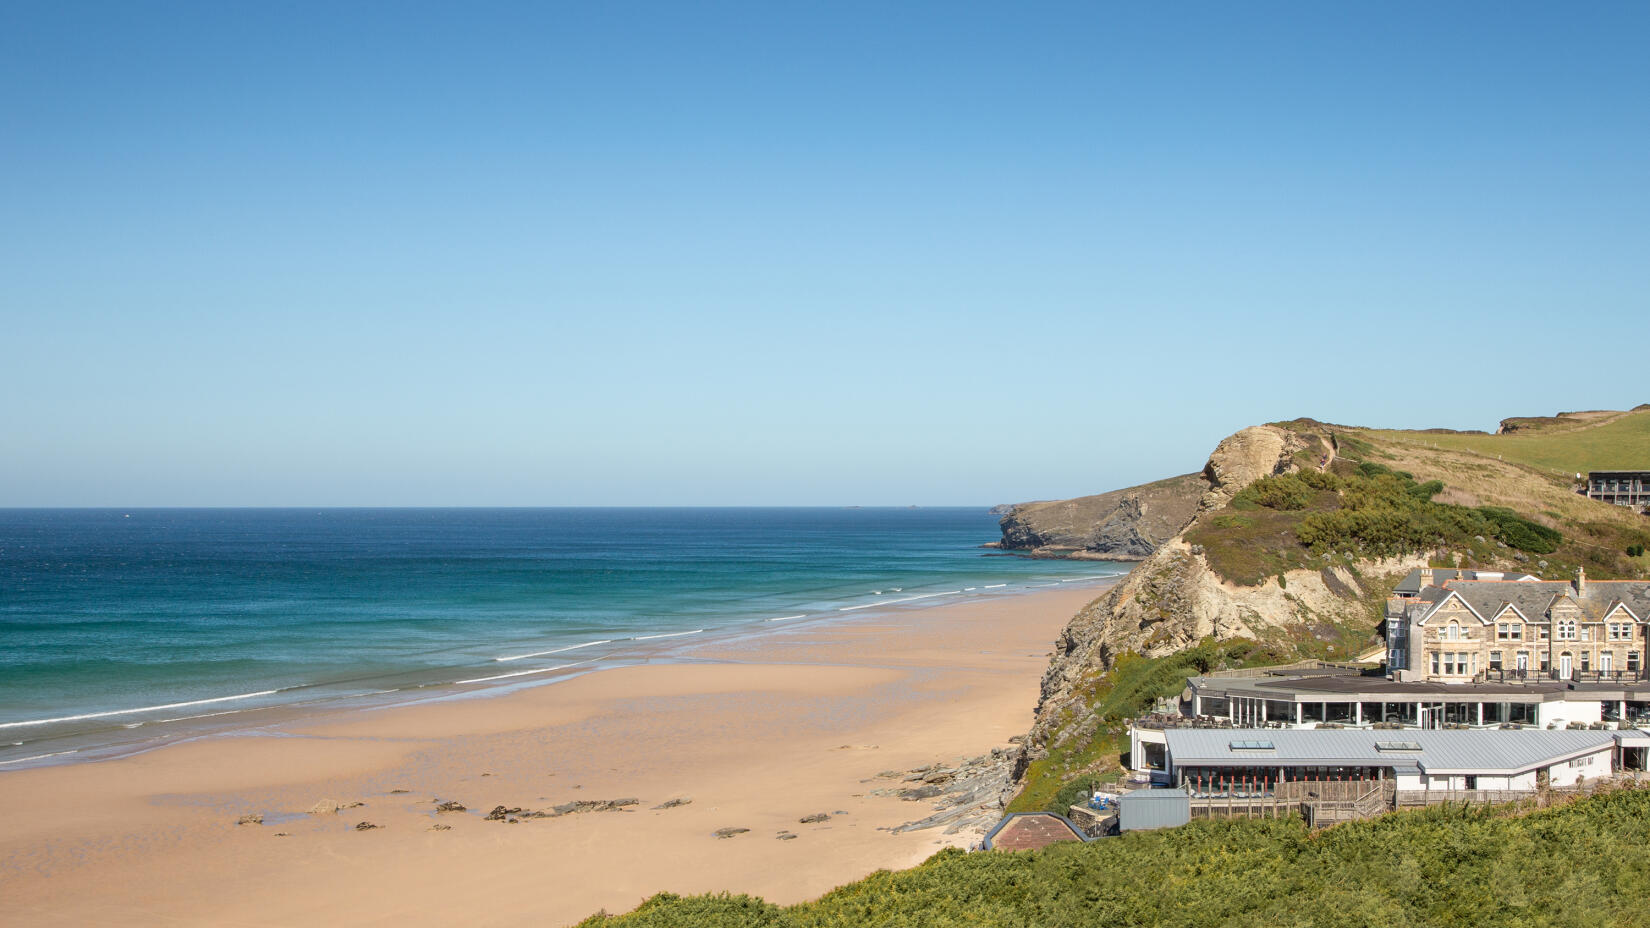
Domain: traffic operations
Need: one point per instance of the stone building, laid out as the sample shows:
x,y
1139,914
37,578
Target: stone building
x,y
1460,630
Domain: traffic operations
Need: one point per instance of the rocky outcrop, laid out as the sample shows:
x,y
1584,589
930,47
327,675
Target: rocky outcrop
x,y
962,797
1123,525
1242,458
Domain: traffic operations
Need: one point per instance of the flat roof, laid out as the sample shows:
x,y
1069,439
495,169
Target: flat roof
x,y
1433,751
1353,687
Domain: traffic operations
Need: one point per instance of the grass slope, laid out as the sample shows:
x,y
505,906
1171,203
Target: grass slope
x,y
1586,863
1621,442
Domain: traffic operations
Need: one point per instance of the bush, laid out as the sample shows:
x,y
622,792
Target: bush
x,y
1582,863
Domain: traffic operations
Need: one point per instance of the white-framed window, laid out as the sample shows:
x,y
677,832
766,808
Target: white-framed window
x,y
1495,660
1453,632
1435,656
1605,662
1632,662
1566,630
1509,631
1621,631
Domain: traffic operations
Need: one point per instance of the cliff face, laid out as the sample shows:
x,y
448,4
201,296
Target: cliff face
x,y
1173,599
1123,525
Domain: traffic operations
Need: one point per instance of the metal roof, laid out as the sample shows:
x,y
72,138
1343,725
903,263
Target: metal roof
x,y
1440,751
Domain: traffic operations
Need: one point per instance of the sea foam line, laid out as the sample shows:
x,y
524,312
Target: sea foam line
x,y
787,618
668,635
994,586
37,757
104,715
890,602
571,647
526,673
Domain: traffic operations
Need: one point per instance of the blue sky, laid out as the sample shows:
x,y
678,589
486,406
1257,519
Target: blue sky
x,y
793,253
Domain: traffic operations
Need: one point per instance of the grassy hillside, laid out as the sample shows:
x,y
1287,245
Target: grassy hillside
x,y
1395,493
1582,864
1557,445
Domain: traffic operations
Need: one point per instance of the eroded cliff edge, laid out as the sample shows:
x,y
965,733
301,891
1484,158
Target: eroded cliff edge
x,y
1123,525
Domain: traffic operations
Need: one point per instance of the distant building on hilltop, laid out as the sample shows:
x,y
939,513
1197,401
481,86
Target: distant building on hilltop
x,y
1619,487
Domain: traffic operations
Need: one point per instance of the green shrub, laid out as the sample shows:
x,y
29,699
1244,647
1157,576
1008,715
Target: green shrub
x,y
1585,863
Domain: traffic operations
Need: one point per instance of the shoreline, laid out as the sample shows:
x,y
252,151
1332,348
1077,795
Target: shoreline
x,y
125,732
760,729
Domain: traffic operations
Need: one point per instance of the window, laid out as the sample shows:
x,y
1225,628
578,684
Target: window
x,y
1495,660
1586,659
1632,662
1566,631
1515,631
1435,663
1453,633
1605,661
1544,632
1458,663
1546,662
1621,631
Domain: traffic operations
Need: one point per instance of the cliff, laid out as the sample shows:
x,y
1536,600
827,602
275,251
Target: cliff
x,y
1123,525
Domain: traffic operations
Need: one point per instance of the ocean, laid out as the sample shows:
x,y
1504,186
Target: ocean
x,y
124,629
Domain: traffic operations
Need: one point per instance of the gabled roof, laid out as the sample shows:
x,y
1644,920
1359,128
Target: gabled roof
x,y
1534,600
1449,594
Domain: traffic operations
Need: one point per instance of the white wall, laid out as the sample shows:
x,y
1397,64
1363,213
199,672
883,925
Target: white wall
x,y
1563,713
1139,736
1589,767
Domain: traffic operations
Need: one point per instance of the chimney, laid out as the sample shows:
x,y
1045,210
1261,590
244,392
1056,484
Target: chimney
x,y
1426,577
1581,581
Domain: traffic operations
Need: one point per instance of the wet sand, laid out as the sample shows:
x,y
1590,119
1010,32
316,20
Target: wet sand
x,y
757,731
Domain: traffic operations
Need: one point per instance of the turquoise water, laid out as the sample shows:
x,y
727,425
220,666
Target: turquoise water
x,y
112,622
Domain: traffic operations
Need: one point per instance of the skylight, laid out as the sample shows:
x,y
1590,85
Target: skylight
x,y
1397,746
1252,746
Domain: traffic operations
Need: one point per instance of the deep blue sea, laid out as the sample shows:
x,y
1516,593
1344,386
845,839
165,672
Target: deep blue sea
x,y
121,627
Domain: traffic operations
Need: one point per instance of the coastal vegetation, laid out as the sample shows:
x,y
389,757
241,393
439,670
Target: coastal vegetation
x,y
1090,756
1585,862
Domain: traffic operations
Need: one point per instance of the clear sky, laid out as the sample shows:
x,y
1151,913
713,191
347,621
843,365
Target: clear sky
x,y
765,253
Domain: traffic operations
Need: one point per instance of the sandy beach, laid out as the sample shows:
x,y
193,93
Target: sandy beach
x,y
758,732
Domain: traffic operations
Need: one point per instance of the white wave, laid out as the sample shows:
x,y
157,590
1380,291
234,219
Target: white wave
x,y
37,757
104,715
203,715
668,635
571,647
528,673
969,589
994,586
787,618
907,599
